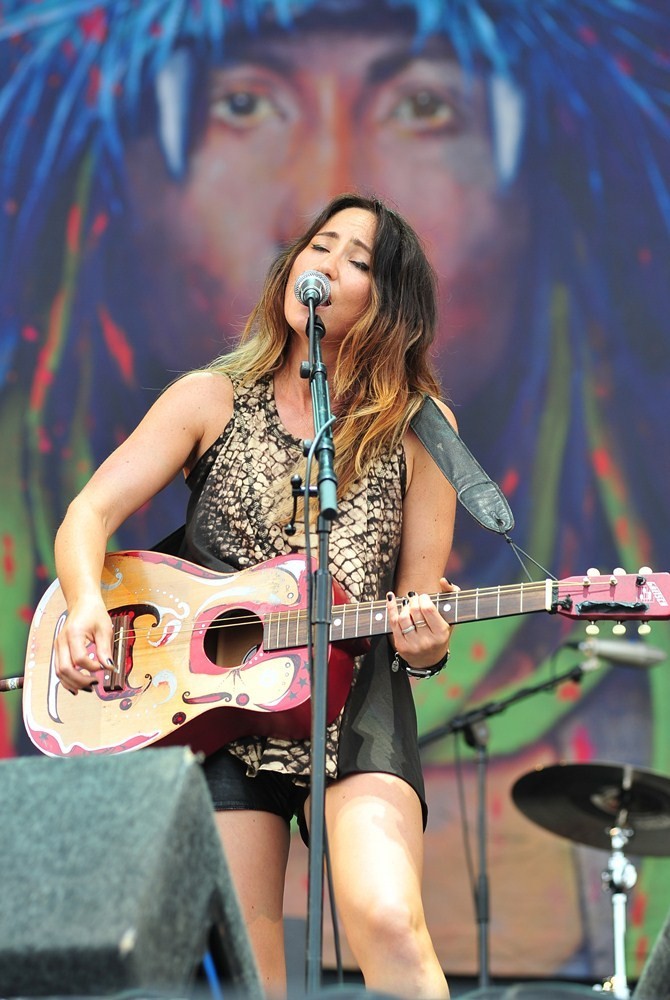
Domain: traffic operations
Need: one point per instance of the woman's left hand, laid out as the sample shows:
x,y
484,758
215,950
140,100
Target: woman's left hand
x,y
420,634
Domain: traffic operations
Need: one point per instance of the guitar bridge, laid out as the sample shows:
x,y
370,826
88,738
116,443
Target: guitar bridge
x,y
114,679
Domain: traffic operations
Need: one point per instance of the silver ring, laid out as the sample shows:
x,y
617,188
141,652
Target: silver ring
x,y
421,623
410,628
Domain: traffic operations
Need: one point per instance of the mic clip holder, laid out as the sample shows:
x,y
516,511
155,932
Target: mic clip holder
x,y
296,493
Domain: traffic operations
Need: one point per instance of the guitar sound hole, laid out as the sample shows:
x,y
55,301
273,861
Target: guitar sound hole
x,y
233,638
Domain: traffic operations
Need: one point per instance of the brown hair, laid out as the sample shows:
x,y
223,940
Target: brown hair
x,y
383,367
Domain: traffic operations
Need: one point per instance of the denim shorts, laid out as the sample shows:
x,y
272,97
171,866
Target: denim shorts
x,y
269,791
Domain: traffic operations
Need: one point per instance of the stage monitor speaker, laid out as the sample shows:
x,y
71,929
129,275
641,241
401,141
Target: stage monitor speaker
x,y
547,989
654,981
114,878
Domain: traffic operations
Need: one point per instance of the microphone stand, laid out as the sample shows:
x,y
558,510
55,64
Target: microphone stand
x,y
319,619
475,731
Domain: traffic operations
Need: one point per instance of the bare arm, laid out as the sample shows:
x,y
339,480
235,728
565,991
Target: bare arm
x,y
178,428
429,511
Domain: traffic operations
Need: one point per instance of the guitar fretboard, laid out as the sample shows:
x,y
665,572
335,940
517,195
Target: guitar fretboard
x,y
288,629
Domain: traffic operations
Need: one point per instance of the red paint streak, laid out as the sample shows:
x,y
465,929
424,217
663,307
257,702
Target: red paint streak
x,y
496,807
94,25
478,651
41,382
93,88
44,442
509,482
622,530
26,614
6,748
582,746
624,65
642,950
73,229
601,462
30,334
587,34
605,469
568,691
100,224
8,558
455,691
117,343
638,909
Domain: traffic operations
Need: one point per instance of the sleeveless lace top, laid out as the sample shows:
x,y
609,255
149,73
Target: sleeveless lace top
x,y
235,489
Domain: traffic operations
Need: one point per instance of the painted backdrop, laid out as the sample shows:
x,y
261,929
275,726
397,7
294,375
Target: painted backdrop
x,y
154,156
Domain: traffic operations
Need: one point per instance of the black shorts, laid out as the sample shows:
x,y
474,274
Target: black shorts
x,y
269,791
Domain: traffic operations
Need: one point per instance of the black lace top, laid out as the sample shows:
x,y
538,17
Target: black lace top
x,y
236,488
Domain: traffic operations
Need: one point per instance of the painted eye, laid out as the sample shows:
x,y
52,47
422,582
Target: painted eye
x,y
242,109
426,110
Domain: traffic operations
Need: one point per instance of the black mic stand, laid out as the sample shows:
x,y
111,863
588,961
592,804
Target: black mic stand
x,y
319,613
475,731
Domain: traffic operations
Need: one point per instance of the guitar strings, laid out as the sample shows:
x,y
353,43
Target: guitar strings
x,y
298,617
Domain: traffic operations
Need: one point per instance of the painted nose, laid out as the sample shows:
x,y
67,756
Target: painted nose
x,y
322,169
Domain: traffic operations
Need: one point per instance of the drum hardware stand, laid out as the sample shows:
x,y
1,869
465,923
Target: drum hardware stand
x,y
473,726
477,736
619,877
603,805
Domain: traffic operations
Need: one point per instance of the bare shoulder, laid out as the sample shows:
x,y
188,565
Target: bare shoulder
x,y
204,402
209,386
207,393
447,411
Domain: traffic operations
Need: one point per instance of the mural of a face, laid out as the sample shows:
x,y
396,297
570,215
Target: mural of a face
x,y
291,122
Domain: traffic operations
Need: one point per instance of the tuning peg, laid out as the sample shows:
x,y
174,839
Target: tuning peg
x,y
619,571
645,571
592,629
593,572
619,629
644,628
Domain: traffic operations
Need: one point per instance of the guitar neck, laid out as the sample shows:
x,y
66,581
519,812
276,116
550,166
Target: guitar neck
x,y
287,629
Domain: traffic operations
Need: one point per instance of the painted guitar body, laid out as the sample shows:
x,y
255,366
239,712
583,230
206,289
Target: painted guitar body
x,y
176,617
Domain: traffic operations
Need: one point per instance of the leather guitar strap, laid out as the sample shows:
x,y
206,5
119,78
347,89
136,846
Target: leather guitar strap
x,y
480,496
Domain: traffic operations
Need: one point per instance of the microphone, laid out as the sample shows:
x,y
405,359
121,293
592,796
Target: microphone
x,y
633,654
312,286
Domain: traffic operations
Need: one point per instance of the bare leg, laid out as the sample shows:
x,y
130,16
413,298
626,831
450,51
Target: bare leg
x,y
256,846
376,843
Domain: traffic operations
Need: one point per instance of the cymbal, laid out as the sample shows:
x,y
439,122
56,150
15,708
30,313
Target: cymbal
x,y
584,801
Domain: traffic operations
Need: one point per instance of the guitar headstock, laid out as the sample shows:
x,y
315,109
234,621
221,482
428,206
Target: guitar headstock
x,y
643,596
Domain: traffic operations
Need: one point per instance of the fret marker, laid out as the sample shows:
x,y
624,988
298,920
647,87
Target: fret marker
x,y
337,622
378,616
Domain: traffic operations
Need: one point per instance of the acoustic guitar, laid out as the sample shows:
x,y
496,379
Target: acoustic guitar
x,y
202,658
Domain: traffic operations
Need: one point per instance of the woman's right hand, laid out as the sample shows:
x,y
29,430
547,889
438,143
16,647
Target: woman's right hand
x,y
83,646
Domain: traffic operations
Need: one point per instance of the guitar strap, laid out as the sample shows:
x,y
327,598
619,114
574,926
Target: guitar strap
x,y
480,496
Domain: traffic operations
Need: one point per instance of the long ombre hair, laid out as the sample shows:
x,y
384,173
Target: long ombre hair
x,y
383,366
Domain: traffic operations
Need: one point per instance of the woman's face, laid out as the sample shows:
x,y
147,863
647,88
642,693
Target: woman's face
x,y
293,121
342,251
